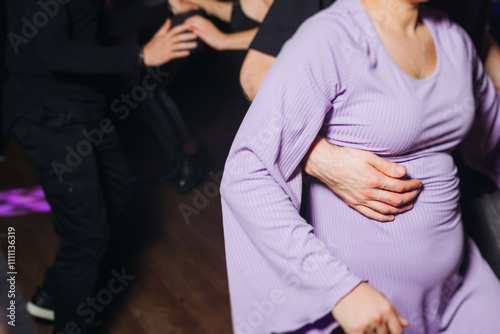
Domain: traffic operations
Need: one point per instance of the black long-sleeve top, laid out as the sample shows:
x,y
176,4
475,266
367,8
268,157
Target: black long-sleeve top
x,y
60,60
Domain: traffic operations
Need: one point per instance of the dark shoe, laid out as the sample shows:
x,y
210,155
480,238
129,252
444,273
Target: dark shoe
x,y
191,173
42,305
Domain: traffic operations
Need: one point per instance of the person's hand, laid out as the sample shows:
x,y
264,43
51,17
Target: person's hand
x,y
365,311
364,181
207,32
168,44
182,6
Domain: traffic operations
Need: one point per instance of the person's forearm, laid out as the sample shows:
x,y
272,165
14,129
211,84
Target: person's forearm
x,y
479,149
80,58
219,9
492,61
253,71
239,40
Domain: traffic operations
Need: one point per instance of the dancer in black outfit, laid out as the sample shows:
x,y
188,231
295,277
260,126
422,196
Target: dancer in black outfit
x,y
54,107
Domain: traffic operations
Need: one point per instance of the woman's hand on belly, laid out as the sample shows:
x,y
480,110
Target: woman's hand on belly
x,y
366,310
367,183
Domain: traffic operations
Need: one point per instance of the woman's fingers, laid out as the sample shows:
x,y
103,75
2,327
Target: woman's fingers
x,y
382,329
198,31
181,28
372,214
397,185
380,211
207,32
169,43
402,321
394,325
187,36
366,310
195,21
393,199
387,209
383,202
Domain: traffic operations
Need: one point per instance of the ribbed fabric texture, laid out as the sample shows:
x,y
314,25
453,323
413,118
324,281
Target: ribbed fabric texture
x,y
335,78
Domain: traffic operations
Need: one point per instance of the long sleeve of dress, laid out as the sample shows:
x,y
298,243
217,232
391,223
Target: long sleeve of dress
x,y
275,262
481,148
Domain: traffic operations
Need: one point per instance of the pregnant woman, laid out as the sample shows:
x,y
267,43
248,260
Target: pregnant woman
x,y
387,77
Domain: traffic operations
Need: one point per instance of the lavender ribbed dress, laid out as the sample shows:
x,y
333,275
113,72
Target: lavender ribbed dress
x,y
334,78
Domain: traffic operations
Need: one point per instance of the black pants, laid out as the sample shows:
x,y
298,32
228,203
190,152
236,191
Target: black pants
x,y
85,179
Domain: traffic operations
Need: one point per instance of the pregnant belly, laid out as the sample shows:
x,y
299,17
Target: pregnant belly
x,y
421,248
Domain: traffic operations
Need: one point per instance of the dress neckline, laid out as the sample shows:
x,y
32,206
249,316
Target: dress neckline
x,y
425,20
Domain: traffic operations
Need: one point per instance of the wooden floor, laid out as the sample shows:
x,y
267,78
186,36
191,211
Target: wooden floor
x,y
180,283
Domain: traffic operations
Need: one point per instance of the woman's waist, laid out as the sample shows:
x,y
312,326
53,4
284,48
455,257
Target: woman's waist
x,y
426,239
433,217
436,204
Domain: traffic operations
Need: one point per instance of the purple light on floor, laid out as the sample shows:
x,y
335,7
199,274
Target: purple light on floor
x,y
18,202
6,209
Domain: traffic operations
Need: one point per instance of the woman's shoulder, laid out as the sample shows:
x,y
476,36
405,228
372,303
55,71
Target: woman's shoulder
x,y
335,22
335,30
449,34
440,19
321,51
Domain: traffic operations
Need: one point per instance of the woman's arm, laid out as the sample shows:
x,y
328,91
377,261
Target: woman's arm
x,y
269,246
218,40
253,71
492,61
481,148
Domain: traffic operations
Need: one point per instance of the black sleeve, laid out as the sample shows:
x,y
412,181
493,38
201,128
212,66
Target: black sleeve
x,y
281,22
120,22
239,20
61,54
